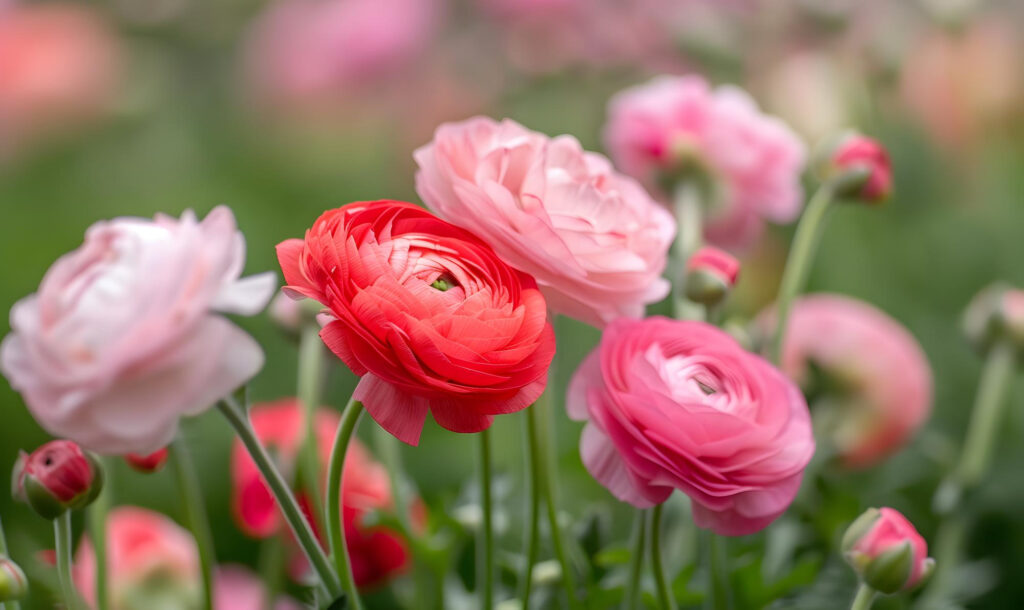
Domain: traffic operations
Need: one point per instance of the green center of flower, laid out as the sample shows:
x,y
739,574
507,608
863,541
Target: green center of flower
x,y
443,283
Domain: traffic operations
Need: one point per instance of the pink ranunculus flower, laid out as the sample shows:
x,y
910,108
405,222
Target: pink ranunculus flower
x,y
886,533
59,66
754,160
880,389
681,405
594,240
124,337
151,560
236,588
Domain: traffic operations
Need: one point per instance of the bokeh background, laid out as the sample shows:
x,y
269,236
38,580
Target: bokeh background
x,y
284,108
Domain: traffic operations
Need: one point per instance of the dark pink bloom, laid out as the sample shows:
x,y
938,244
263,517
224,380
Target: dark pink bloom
x,y
856,151
717,262
147,463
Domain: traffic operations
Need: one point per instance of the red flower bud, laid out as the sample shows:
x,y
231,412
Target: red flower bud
x,y
56,477
147,463
886,551
710,274
860,168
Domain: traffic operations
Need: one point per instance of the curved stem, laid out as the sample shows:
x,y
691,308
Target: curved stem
x,y
549,485
665,601
310,386
865,595
62,539
97,513
11,605
335,526
636,561
533,537
798,264
485,574
195,511
720,597
689,212
239,420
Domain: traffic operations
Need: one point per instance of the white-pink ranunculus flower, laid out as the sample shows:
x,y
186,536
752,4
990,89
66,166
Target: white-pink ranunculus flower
x,y
879,384
237,588
753,160
681,405
594,239
124,334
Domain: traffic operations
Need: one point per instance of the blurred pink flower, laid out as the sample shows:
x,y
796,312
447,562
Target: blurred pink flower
x,y
753,160
960,84
124,337
594,240
810,90
149,557
312,52
873,360
856,151
236,588
59,66
680,405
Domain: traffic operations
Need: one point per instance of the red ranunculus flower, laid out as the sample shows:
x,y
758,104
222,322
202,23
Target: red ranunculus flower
x,y
425,313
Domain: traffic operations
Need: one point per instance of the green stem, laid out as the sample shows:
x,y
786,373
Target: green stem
x,y
271,569
533,537
62,539
798,265
665,601
97,513
865,595
310,387
485,573
195,511
239,420
549,486
335,526
948,542
720,597
11,605
689,212
636,561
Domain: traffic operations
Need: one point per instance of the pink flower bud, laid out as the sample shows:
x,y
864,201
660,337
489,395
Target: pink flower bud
x,y
13,584
56,477
147,463
886,551
710,274
861,168
996,313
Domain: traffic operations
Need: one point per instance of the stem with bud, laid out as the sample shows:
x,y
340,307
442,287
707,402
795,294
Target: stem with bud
x,y
865,597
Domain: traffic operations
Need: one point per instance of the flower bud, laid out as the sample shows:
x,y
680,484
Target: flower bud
x,y
290,314
858,167
56,477
13,584
997,312
886,551
147,464
710,274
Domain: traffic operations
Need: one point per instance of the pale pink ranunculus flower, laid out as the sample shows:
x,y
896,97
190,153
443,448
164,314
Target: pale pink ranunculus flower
x,y
881,382
124,335
237,588
880,389
311,52
59,66
592,238
149,558
681,405
753,160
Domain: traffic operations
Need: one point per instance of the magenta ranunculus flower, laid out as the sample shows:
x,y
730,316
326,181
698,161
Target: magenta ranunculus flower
x,y
885,550
877,381
754,160
681,405
594,240
124,337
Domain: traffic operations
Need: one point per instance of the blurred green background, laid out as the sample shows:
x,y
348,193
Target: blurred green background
x,y
182,131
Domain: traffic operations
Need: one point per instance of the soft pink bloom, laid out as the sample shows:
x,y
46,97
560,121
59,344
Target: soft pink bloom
x,y
148,557
874,359
59,65
286,311
856,151
311,52
882,530
754,160
236,588
717,262
680,405
593,239
124,337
